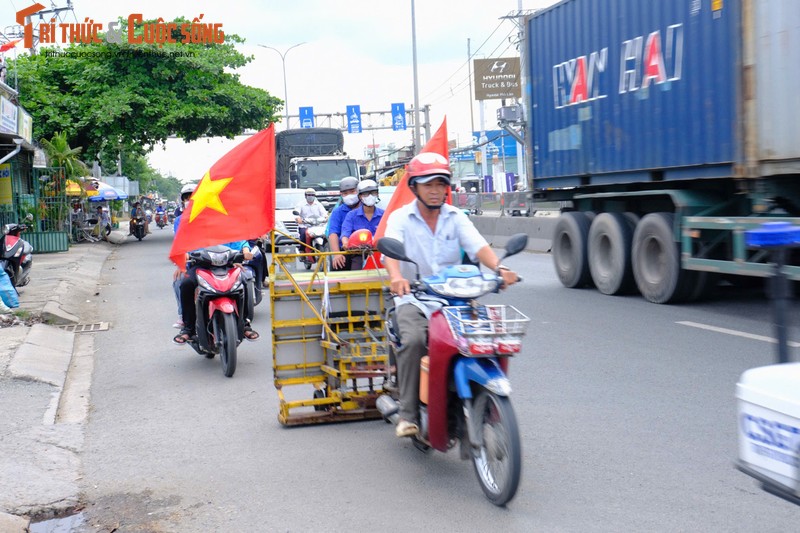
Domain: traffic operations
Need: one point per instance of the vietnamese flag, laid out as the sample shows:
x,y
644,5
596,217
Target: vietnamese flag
x,y
403,194
9,45
234,201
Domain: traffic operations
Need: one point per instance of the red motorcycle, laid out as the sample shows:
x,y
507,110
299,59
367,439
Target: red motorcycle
x,y
16,254
464,392
361,240
161,220
220,300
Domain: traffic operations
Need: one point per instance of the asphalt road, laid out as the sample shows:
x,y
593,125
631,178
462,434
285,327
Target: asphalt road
x,y
627,415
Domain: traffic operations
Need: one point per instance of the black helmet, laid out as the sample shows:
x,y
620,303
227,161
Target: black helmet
x,y
348,183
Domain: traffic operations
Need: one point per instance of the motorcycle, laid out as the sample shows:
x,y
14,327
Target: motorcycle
x,y
361,240
161,220
315,238
464,391
138,228
220,299
518,205
16,255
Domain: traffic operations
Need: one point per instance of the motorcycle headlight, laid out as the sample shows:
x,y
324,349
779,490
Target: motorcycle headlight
x,y
465,288
218,258
238,283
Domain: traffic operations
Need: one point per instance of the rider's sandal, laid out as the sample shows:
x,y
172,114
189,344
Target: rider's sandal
x,y
250,334
182,338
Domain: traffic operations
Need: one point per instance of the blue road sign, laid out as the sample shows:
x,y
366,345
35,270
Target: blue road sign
x,y
500,143
306,117
398,117
354,119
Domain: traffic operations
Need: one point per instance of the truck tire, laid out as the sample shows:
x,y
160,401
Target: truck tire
x,y
610,239
569,249
657,262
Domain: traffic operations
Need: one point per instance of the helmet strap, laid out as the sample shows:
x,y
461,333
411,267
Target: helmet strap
x,y
431,207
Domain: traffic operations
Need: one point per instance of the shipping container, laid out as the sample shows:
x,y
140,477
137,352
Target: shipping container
x,y
666,129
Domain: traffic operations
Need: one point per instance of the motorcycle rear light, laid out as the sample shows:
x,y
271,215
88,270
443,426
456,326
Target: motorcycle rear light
x,y
506,347
481,348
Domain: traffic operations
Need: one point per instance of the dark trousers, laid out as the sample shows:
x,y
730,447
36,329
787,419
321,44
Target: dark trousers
x,y
187,288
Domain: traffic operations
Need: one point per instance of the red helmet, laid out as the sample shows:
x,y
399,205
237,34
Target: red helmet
x,y
428,166
360,239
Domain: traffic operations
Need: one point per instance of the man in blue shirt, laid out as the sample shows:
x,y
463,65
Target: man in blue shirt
x,y
348,188
366,216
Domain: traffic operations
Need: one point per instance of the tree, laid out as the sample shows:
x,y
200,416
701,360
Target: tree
x,y
129,97
61,155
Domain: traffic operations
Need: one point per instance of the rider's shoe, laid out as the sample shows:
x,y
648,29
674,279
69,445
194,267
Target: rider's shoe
x,y
406,429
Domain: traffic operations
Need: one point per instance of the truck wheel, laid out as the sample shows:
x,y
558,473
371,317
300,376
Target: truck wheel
x,y
610,238
569,249
656,260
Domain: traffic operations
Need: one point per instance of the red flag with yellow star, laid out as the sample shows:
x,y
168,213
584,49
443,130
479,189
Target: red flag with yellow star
x,y
234,201
403,194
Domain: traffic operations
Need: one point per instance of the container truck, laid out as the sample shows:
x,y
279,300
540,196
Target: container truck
x,y
315,158
665,129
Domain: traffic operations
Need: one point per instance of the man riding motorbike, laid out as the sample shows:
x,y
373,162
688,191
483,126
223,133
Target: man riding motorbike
x,y
348,188
434,234
310,209
137,211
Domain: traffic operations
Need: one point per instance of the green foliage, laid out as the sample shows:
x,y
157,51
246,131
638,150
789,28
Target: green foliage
x,y
129,97
61,155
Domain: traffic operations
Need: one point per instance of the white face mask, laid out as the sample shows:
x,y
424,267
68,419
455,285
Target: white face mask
x,y
350,199
370,200
310,199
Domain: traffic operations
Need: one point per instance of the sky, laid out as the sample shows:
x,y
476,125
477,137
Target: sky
x,y
355,52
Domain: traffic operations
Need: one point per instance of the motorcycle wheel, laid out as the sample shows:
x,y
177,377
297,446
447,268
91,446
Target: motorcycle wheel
x,y
226,335
498,462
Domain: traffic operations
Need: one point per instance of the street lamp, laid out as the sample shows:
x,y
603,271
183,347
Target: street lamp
x,y
283,62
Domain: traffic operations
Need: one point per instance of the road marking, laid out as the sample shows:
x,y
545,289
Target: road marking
x,y
737,333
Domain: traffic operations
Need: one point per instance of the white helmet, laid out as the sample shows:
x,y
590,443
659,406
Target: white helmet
x,y
472,189
367,186
310,192
186,191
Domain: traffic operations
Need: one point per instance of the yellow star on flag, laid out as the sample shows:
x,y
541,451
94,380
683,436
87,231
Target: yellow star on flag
x,y
207,195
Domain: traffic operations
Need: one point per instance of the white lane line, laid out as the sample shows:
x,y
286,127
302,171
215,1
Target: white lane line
x,y
737,333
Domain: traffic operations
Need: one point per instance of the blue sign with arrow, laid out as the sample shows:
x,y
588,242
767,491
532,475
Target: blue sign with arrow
x,y
306,117
354,119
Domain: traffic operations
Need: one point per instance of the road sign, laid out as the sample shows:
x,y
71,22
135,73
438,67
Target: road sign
x,y
306,117
354,119
398,117
500,143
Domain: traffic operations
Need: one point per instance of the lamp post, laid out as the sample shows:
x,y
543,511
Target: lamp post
x,y
283,63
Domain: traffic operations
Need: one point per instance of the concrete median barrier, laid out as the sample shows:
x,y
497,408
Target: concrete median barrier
x,y
498,229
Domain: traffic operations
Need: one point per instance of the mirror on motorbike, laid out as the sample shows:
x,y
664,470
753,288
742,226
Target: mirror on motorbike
x,y
516,244
393,248
296,213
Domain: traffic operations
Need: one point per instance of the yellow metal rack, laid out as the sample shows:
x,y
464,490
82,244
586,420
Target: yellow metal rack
x,y
329,353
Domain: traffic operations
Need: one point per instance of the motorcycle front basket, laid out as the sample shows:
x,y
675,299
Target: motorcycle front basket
x,y
487,330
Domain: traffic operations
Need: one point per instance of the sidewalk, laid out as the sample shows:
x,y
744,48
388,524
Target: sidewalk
x,y
45,374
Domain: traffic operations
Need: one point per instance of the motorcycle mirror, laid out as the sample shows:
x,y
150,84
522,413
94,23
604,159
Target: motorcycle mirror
x,y
296,213
516,244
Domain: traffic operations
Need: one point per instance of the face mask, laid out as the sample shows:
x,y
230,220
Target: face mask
x,y
350,200
310,199
370,200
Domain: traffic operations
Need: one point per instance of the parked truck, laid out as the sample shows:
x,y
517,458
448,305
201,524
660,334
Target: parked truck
x,y
665,130
315,158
